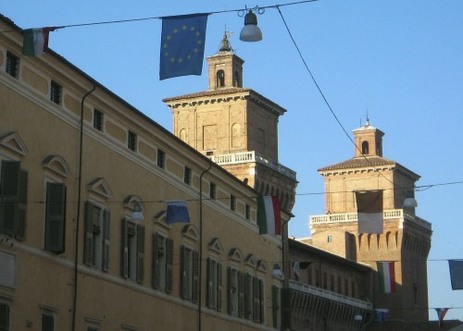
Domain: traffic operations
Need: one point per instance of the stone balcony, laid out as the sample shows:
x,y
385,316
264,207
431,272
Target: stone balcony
x,y
399,214
251,156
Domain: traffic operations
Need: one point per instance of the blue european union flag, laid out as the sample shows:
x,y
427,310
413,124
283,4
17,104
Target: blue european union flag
x,y
182,45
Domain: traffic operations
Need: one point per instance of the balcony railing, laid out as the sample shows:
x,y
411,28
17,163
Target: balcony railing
x,y
329,295
353,217
252,156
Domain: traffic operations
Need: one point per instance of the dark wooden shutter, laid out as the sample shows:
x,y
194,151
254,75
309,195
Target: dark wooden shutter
x,y
48,322
219,286
90,210
169,264
230,290
241,294
9,193
156,274
275,304
4,317
124,249
183,273
55,217
140,253
210,282
261,301
195,277
106,239
22,204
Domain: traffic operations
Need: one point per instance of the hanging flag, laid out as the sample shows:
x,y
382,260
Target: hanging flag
x,y
268,215
35,41
456,274
386,277
177,212
182,45
370,211
298,266
440,315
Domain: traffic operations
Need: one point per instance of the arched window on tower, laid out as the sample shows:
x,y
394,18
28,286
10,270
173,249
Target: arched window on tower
x,y
365,148
220,78
236,79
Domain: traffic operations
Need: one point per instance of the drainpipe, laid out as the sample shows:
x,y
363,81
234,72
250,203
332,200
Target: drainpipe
x,y
79,198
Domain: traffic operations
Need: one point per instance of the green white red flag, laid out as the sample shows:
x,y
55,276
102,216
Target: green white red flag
x,y
386,277
269,215
35,41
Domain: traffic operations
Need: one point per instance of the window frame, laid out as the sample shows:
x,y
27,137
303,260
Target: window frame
x,y
56,92
187,175
214,284
132,250
162,262
189,273
98,119
12,64
5,315
97,230
161,159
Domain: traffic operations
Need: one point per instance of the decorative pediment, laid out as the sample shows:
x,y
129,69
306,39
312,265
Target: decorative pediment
x,y
132,201
160,219
235,254
251,261
190,231
57,164
100,186
13,142
262,266
216,246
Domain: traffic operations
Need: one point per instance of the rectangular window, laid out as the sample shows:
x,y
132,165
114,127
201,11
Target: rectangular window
x,y
55,217
329,239
162,263
132,251
48,322
187,176
189,273
13,199
248,212
132,141
12,65
97,231
161,159
325,281
232,202
4,316
332,282
346,287
56,91
98,118
212,191
214,284
339,289
235,292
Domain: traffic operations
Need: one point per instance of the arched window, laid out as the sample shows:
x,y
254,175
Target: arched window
x,y
220,78
365,148
236,79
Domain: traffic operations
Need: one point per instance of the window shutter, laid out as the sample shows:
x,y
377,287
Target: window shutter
x,y
9,193
169,264
89,246
275,305
55,217
195,277
124,249
106,239
4,317
241,293
48,322
230,290
140,253
210,282
156,274
247,296
261,301
219,287
183,273
255,299
22,203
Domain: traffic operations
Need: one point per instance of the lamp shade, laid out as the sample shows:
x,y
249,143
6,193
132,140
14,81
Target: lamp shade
x,y
410,203
137,214
250,31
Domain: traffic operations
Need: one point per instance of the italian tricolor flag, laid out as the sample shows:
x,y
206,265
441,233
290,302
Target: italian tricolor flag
x,y
386,277
268,215
36,41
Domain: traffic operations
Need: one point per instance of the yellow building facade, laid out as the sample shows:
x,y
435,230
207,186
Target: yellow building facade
x,y
85,244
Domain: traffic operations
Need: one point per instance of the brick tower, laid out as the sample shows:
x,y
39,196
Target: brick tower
x,y
406,238
235,126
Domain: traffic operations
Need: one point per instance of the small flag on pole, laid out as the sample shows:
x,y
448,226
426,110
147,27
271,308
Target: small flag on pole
x,y
370,211
182,45
386,277
269,215
177,212
456,274
440,315
35,41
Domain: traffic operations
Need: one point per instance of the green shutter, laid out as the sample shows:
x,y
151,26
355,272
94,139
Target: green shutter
x,y
230,290
210,282
55,217
9,195
156,274
4,317
275,305
183,273
169,264
140,253
22,204
261,301
219,287
195,277
241,294
89,254
124,249
106,239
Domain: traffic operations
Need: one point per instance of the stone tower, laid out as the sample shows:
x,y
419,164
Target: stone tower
x,y
235,126
406,238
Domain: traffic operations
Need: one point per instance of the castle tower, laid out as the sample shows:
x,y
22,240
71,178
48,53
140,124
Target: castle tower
x,y
406,238
235,126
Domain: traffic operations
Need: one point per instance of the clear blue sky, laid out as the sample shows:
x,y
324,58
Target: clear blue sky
x,y
402,61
